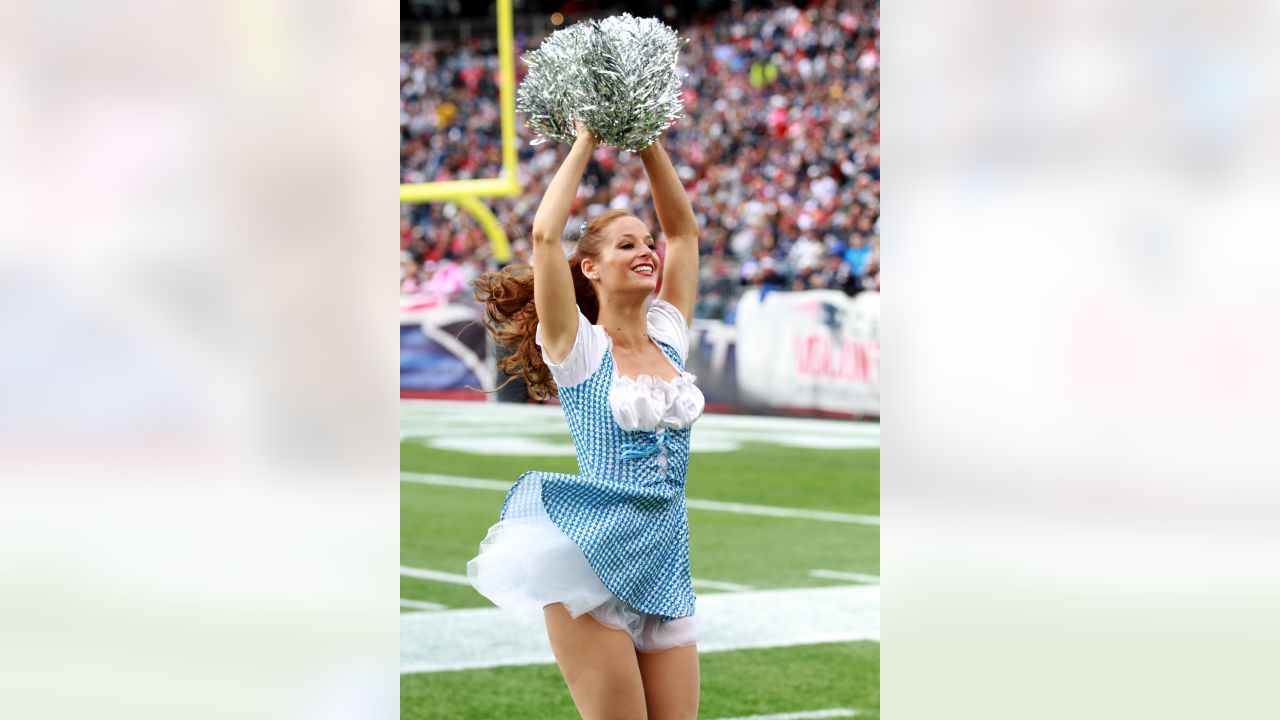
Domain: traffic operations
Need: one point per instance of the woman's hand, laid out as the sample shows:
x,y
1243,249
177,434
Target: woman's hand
x,y
584,133
654,146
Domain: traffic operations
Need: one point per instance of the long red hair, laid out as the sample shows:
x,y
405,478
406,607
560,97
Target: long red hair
x,y
512,319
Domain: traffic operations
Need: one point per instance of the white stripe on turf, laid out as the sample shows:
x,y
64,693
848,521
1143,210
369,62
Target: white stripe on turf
x,y
436,575
804,715
489,637
745,509
719,585
692,503
512,417
837,575
513,429
453,481
421,605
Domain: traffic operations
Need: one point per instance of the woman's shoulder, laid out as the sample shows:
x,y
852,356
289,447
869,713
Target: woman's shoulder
x,y
667,325
589,346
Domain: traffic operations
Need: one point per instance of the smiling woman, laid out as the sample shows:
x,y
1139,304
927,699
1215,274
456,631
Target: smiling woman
x,y
512,316
603,557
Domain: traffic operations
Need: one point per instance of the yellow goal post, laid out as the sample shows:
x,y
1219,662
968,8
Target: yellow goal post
x,y
466,194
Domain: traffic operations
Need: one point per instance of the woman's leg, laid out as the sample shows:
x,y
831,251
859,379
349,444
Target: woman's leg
x,y
599,666
670,683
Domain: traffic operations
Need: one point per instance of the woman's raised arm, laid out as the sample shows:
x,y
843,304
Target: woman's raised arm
x,y
675,214
552,283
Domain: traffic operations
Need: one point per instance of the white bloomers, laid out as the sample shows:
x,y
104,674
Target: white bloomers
x,y
527,563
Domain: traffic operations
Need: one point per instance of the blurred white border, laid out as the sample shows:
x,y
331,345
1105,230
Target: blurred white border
x,y
1079,399
198,383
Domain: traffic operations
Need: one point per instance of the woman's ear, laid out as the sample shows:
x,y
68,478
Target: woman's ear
x,y
588,269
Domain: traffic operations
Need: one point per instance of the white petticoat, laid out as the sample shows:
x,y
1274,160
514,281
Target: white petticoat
x,y
527,563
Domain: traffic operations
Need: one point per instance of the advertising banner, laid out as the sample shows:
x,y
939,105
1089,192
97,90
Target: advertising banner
x,y
810,350
788,352
442,349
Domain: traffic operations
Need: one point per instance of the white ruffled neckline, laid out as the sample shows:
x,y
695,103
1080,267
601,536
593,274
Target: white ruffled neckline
x,y
651,402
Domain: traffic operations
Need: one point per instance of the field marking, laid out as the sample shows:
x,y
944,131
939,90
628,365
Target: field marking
x,y
773,511
488,637
691,503
838,575
455,579
719,585
454,481
421,605
445,413
704,442
436,575
514,429
804,715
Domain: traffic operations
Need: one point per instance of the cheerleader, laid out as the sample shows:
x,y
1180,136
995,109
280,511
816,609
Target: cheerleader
x,y
602,557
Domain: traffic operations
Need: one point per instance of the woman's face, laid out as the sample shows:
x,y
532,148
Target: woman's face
x,y
627,261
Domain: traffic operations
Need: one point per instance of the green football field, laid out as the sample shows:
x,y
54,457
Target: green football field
x,y
784,520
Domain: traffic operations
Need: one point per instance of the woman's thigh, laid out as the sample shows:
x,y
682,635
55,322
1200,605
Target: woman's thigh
x,y
599,666
671,683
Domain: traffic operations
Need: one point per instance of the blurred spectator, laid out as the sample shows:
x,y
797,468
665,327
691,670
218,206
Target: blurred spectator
x,y
806,252
779,150
411,275
715,289
834,273
857,254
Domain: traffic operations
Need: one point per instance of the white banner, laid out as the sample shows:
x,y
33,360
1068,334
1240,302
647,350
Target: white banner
x,y
813,350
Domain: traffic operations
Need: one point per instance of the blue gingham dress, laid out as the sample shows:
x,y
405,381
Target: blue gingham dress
x,y
624,515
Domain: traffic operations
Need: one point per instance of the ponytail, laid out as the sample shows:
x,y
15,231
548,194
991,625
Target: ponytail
x,y
512,319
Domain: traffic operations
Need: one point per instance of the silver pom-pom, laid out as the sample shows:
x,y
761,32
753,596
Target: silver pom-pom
x,y
617,75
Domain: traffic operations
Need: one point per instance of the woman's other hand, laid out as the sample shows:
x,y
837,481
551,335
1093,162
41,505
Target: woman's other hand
x,y
584,133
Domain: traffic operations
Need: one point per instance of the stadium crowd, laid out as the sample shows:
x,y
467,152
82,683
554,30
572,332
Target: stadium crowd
x,y
779,148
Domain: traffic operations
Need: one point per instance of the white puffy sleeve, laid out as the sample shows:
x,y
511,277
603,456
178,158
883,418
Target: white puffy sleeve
x,y
666,324
589,346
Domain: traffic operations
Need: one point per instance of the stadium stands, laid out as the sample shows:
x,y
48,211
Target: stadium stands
x,y
779,149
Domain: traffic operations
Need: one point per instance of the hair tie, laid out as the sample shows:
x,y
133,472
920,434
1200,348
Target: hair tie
x,y
581,230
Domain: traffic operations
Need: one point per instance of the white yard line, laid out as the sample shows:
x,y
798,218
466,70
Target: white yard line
x,y
421,605
454,481
719,585
455,579
489,637
692,503
804,715
435,575
514,429
772,511
837,575
444,412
